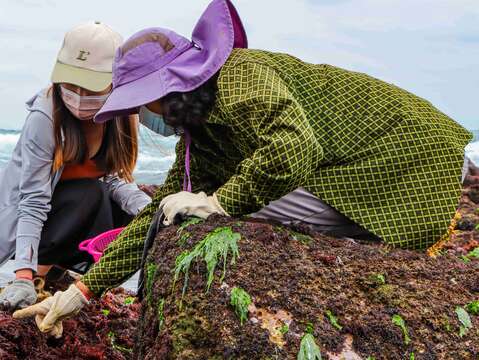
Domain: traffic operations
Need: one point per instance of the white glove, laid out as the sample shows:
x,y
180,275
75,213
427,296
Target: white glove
x,y
51,311
189,204
41,309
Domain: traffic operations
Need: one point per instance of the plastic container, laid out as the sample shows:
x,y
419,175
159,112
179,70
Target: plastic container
x,y
95,246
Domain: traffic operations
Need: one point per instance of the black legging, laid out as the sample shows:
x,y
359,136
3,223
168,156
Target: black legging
x,y
81,209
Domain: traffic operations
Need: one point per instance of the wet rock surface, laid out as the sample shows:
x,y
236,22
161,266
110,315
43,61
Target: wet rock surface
x,y
348,295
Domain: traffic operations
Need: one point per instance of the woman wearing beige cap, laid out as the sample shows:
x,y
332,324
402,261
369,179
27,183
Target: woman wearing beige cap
x,y
69,178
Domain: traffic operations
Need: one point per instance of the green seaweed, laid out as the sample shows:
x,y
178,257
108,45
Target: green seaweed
x,y
391,295
474,253
309,328
185,224
215,246
465,321
114,345
184,238
378,279
308,349
129,300
161,315
302,238
284,329
184,235
333,320
445,323
473,307
399,321
150,277
240,300
412,356
105,312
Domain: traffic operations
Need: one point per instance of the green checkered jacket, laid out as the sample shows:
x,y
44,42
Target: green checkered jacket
x,y
385,158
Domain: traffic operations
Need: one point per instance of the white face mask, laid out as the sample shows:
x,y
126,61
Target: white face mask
x,y
155,122
82,107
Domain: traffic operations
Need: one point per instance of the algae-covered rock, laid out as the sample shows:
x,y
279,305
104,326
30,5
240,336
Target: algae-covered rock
x,y
230,289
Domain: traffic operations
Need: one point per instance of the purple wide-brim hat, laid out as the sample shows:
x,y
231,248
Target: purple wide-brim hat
x,y
156,62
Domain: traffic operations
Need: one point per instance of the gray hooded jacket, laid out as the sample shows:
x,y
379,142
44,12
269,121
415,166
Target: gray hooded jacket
x,y
27,184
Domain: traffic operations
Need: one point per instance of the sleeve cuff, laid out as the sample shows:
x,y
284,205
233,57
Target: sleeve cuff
x,y
146,202
26,254
20,264
234,197
95,290
218,205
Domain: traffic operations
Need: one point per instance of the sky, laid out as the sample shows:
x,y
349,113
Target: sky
x,y
428,47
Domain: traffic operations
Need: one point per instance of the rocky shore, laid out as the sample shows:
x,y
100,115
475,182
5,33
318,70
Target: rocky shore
x,y
236,289
229,289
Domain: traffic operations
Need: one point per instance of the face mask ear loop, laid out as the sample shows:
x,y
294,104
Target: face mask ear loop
x,y
187,178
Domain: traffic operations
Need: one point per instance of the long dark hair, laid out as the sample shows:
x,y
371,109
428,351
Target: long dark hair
x,y
190,109
120,139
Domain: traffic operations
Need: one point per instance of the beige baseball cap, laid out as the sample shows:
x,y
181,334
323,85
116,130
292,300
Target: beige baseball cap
x,y
86,56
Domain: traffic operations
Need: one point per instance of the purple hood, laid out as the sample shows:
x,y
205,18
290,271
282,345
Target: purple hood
x,y
155,62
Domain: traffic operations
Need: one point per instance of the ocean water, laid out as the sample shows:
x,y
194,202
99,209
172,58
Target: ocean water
x,y
472,150
156,154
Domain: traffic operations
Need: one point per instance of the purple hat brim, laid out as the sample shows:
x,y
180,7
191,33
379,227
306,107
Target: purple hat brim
x,y
125,100
189,70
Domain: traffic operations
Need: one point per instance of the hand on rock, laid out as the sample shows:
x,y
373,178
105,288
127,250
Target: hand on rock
x,y
50,312
19,294
189,204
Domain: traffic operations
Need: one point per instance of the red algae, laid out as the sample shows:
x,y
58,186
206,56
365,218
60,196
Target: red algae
x,y
105,330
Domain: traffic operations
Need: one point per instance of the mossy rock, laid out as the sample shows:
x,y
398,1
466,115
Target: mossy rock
x,y
467,223
342,292
474,195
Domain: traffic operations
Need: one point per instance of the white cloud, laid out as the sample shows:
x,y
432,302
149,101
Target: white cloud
x,y
387,15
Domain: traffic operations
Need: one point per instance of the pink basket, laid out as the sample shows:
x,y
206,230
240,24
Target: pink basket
x,y
98,244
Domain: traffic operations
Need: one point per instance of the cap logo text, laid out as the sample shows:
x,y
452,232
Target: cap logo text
x,y
83,55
